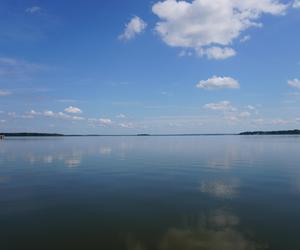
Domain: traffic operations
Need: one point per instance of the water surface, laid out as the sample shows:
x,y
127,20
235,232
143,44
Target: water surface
x,y
148,193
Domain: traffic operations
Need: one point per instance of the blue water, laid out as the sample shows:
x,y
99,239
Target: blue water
x,y
148,193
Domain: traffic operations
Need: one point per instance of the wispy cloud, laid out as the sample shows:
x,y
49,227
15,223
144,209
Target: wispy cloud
x,y
245,39
33,10
105,121
296,4
133,28
5,92
224,105
294,83
12,67
127,125
101,121
217,53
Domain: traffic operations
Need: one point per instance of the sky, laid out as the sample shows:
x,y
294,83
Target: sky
x,y
132,66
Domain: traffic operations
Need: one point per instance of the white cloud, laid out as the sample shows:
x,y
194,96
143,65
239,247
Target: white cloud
x,y
101,121
203,24
251,107
127,125
185,53
73,110
217,82
51,114
237,117
294,83
33,10
245,39
33,112
216,53
105,121
224,105
4,93
77,118
134,27
296,4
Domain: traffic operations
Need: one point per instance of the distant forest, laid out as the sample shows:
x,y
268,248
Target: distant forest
x,y
281,132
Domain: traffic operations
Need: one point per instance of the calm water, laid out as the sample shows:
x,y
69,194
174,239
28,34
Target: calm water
x,y
148,193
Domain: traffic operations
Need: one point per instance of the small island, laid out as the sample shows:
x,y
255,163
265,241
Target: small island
x,y
280,132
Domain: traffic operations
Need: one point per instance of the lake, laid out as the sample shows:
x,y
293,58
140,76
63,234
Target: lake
x,y
148,193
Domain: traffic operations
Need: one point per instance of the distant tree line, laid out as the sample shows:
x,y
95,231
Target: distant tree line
x,y
30,134
280,132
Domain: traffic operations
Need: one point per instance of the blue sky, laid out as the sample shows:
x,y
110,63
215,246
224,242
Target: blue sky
x,y
125,67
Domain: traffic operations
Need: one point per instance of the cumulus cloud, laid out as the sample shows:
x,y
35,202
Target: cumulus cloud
x,y
51,114
73,110
294,83
202,25
4,93
217,82
224,105
135,26
33,10
296,4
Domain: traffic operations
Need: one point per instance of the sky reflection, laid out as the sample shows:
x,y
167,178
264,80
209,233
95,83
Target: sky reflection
x,y
148,193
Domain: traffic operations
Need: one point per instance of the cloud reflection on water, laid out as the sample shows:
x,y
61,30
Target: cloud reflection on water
x,y
220,189
214,231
